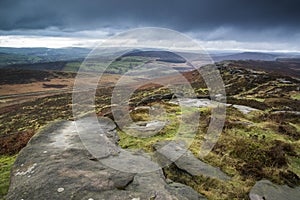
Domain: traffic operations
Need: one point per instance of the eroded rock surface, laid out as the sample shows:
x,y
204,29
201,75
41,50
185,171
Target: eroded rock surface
x,y
266,190
171,151
244,109
209,103
56,165
145,128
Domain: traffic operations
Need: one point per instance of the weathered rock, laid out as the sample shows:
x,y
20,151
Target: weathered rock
x,y
194,102
145,129
155,98
175,152
210,103
266,190
159,189
244,109
56,165
287,112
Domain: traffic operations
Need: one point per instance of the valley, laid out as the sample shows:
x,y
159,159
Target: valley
x,y
260,138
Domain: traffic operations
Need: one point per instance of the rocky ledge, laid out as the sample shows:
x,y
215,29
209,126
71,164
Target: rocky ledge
x,y
56,165
266,190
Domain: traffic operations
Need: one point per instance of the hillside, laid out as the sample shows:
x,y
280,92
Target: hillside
x,y
164,56
259,139
246,56
15,56
288,67
70,60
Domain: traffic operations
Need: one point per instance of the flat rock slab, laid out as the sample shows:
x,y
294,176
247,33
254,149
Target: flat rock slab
x,y
200,103
175,152
145,129
56,165
244,109
288,112
266,190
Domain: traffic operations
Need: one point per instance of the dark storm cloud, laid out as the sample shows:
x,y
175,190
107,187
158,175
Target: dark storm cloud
x,y
225,24
74,15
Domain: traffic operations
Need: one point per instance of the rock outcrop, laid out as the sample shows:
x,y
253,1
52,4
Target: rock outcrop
x,y
174,152
56,165
200,103
266,190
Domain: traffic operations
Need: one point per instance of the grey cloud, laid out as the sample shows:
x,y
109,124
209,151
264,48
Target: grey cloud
x,y
177,14
207,20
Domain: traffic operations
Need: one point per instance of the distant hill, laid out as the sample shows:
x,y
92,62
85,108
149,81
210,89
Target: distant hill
x,y
70,59
52,66
246,56
284,67
10,56
164,56
72,51
24,76
289,60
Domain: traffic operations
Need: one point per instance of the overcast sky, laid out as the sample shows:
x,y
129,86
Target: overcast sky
x,y
216,24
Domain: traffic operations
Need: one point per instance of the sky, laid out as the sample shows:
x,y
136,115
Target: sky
x,y
246,25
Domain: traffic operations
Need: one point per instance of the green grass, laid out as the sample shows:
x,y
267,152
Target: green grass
x,y
255,130
167,133
72,66
296,96
297,126
180,125
237,188
244,151
9,59
6,163
131,142
249,97
119,66
295,165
